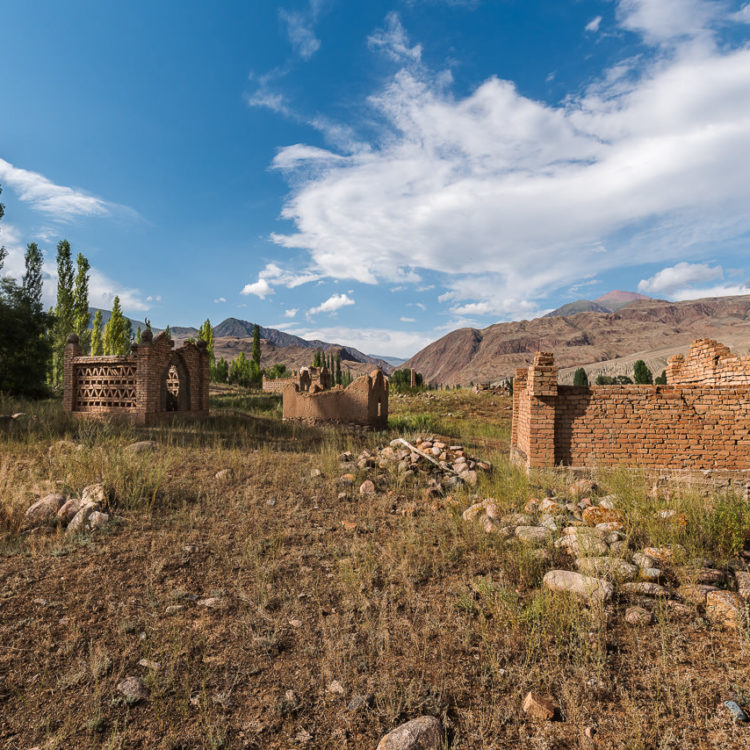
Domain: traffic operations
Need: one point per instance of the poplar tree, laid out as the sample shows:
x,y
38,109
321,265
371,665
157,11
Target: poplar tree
x,y
64,311
256,345
642,374
168,332
206,332
580,377
338,369
97,345
81,314
116,336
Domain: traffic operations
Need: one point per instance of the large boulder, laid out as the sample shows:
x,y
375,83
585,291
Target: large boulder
x,y
725,608
607,567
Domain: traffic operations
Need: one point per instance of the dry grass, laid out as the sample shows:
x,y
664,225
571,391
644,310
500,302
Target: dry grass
x,y
420,610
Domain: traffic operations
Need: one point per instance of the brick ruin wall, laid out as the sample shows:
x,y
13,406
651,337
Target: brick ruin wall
x,y
305,379
152,383
363,402
708,363
692,427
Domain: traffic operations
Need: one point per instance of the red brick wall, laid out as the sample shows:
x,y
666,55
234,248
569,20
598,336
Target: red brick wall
x,y
708,363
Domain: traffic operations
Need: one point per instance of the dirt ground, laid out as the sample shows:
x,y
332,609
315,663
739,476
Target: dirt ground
x,y
276,609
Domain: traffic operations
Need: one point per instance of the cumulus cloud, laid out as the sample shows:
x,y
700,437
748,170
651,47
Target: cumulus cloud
x,y
299,29
332,304
685,281
291,313
220,300
407,320
593,24
274,275
507,198
58,201
669,280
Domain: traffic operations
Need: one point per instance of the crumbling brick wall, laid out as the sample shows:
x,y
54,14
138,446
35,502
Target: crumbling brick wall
x,y
696,427
305,379
363,402
708,363
150,384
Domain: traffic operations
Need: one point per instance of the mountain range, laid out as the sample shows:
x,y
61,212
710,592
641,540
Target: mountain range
x,y
607,303
602,342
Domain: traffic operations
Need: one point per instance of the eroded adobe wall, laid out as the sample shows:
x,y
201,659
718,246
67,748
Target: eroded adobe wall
x,y
363,402
708,363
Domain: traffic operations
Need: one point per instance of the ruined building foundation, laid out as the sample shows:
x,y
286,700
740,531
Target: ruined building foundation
x,y
149,385
700,420
363,402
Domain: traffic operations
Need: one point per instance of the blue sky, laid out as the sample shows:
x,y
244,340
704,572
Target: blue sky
x,y
379,173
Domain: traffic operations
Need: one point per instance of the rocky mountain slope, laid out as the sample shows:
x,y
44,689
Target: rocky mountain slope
x,y
649,329
609,302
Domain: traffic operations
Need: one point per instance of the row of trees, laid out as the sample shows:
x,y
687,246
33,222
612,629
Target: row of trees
x,y
333,364
642,375
401,380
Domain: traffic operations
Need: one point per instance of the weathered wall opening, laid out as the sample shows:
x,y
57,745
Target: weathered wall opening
x,y
150,384
699,421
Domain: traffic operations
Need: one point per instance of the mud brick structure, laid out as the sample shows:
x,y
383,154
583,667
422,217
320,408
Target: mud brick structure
x,y
150,384
363,402
699,421
304,379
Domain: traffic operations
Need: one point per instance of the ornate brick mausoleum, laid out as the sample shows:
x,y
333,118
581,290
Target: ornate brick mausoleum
x,y
700,420
154,382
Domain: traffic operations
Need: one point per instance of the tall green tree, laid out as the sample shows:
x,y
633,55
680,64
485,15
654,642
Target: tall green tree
x,y
256,345
116,338
168,332
338,368
580,377
206,332
97,344
641,373
661,379
64,310
81,314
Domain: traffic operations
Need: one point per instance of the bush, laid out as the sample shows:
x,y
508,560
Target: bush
x,y
580,377
641,374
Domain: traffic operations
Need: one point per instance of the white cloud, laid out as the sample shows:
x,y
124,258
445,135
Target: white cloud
x,y
648,164
593,24
408,320
299,29
156,298
332,304
261,288
742,15
664,20
721,290
220,300
394,41
670,280
58,201
291,313
370,340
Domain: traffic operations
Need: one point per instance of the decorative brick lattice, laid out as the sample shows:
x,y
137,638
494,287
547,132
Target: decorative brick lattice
x,y
173,381
105,386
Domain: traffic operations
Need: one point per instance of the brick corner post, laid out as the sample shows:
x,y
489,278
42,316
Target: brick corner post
x,y
72,350
541,388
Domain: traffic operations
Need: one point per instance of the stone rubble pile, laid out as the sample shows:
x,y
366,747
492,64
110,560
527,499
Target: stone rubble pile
x,y
445,467
72,513
592,534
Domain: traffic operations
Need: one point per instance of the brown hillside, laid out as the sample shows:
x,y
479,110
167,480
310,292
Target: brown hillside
x,y
645,326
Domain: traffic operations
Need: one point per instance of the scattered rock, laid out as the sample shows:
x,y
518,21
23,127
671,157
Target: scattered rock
x,y
588,588
643,561
66,514
651,574
367,488
533,534
710,576
335,687
79,520
347,479
665,554
154,666
133,690
224,475
315,473
358,702
94,493
736,711
695,593
45,510
582,487
595,515
679,610
638,616
743,584
173,609
424,733
644,588
142,446
725,608
97,520
537,707
212,602
609,567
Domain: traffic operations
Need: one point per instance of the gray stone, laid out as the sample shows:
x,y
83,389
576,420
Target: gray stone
x,y
643,561
638,616
142,446
533,534
609,567
224,475
97,520
424,733
133,690
79,520
743,584
644,588
45,510
66,514
588,588
651,574
94,493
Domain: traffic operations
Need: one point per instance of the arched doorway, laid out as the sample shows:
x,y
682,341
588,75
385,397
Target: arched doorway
x,y
175,386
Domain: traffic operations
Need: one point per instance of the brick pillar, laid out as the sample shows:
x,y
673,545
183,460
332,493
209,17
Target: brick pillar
x,y
542,392
72,350
519,385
